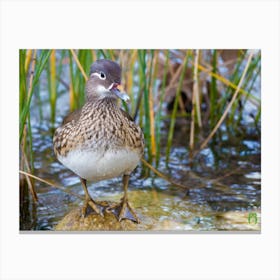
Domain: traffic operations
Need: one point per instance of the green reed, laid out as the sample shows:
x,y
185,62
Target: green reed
x,y
22,79
85,58
143,84
72,94
213,91
159,113
149,102
129,82
52,84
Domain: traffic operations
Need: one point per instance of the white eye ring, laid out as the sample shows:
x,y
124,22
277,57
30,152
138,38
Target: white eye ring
x,y
100,75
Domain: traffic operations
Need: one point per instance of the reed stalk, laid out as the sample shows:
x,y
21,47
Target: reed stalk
x,y
29,181
258,117
196,87
151,106
213,91
94,56
28,58
159,111
130,81
22,79
174,111
154,94
79,65
72,94
195,100
29,175
191,144
144,85
53,86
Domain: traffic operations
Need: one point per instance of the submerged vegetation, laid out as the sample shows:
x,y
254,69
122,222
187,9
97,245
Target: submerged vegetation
x,y
205,93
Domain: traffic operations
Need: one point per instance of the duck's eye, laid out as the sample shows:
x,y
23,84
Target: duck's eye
x,y
102,76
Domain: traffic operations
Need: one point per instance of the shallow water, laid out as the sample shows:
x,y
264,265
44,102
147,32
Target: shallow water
x,y
225,182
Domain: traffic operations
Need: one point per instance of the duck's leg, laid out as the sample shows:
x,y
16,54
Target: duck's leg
x,y
123,210
89,202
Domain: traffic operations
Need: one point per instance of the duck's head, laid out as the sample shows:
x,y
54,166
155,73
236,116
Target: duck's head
x,y
105,77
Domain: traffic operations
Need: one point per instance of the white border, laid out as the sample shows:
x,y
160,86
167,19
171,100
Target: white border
x,y
157,24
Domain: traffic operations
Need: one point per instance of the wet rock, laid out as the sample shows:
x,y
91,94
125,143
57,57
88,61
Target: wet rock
x,y
74,221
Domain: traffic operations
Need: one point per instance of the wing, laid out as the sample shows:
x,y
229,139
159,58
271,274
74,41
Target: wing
x,y
72,116
125,114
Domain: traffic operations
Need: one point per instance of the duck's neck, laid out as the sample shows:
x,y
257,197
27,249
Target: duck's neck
x,y
105,101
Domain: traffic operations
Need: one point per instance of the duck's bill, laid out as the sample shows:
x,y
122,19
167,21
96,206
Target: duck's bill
x,y
122,95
